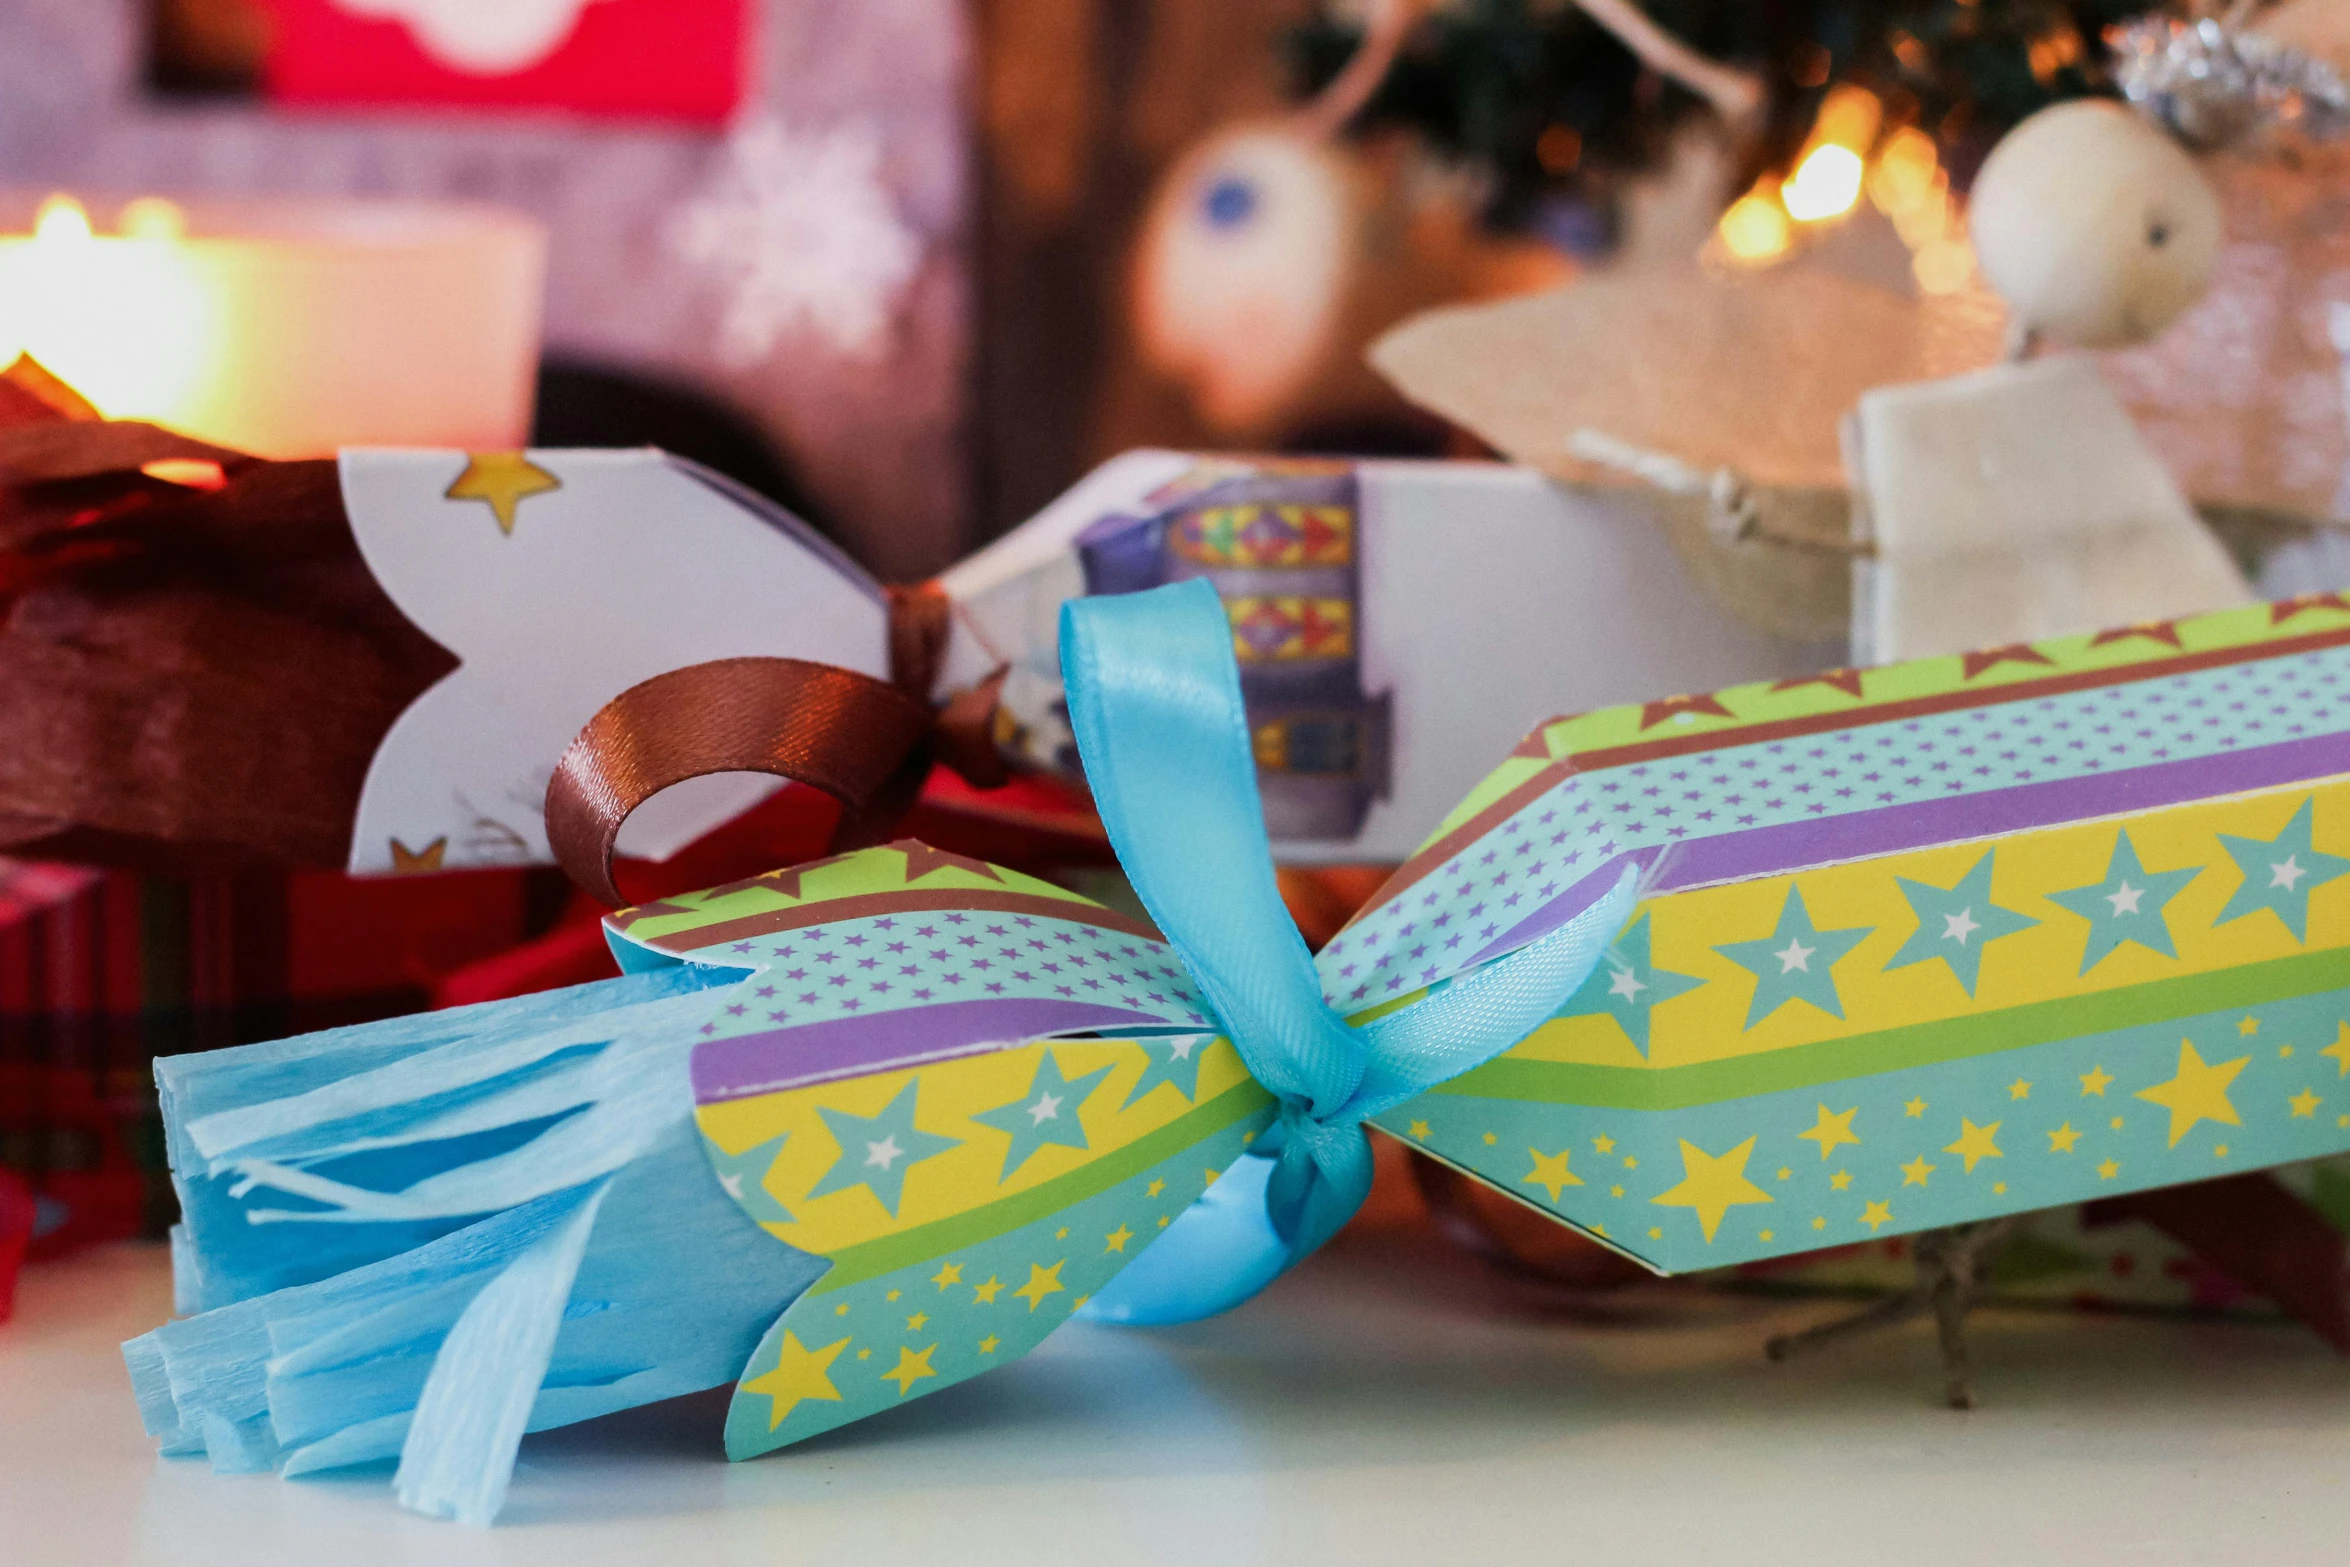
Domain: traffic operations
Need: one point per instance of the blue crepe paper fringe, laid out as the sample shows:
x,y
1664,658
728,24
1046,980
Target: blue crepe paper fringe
x,y
421,1239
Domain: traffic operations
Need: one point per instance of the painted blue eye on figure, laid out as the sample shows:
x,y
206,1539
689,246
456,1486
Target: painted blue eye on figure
x,y
1230,202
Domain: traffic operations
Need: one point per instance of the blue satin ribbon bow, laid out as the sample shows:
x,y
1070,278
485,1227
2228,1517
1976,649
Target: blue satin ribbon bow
x,y
1154,700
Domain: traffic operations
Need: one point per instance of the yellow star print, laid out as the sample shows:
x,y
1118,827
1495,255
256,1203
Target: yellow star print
x,y
416,862
801,1373
2096,1081
2248,1027
987,1345
1551,1172
1974,1143
1915,1172
1876,1214
2019,1089
2108,1170
1713,1186
1603,1145
1840,1181
1041,1282
1419,1134
1914,1109
1833,1131
2198,1093
1116,1240
2340,1048
2062,1139
1154,1188
948,1273
2304,1104
985,1294
502,481
910,1369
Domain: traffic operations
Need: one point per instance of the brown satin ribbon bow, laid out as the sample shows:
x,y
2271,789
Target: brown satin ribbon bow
x,y
868,743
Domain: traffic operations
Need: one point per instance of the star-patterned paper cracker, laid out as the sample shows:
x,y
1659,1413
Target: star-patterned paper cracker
x,y
1918,945
887,1325
974,1095
1915,948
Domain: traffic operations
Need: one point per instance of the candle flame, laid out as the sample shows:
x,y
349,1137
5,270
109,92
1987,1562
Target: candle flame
x,y
153,218
125,320
62,221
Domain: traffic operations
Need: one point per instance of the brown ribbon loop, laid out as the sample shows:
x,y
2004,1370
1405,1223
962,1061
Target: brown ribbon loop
x,y
867,743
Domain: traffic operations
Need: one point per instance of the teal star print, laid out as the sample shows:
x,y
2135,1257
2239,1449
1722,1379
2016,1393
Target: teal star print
x,y
1047,1113
1627,986
1174,1061
2281,873
2126,905
744,1175
876,1151
1792,962
1955,925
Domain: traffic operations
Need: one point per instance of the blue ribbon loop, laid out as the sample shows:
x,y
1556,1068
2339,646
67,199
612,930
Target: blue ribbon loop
x,y
1154,700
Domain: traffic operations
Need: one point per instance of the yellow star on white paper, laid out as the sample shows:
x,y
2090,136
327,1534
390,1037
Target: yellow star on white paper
x,y
502,481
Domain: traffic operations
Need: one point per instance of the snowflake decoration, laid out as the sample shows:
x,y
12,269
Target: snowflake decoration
x,y
807,238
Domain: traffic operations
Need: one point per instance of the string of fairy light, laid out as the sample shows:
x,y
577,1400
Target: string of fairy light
x,y
1852,155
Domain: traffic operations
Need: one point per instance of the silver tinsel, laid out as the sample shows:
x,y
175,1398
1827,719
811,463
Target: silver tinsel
x,y
2215,86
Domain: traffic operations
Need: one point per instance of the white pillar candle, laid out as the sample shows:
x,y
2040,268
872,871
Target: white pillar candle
x,y
287,328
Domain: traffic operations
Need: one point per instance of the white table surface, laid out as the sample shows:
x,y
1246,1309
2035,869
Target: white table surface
x,y
1386,1404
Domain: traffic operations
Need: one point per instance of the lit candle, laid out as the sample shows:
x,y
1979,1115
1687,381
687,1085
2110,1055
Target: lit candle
x,y
284,328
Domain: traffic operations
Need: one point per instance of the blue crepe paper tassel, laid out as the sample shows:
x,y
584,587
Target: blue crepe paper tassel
x,y
519,1225
459,1454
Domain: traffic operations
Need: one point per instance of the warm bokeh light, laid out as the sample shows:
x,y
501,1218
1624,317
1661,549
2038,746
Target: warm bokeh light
x,y
1826,184
151,217
124,321
1905,171
1945,266
1849,117
1843,158
1755,230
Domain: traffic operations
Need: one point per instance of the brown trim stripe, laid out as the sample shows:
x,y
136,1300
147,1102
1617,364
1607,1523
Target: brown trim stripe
x,y
957,900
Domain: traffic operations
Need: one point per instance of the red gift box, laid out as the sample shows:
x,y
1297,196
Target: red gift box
x,y
101,972
661,59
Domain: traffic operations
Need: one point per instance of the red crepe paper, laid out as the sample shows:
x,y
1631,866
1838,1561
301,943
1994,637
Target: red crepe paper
x,y
193,676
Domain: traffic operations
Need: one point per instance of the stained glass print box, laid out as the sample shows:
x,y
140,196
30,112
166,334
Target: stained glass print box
x,y
1919,945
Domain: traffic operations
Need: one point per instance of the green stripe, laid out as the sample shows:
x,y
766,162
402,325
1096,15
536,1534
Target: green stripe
x,y
854,1264
1951,1039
